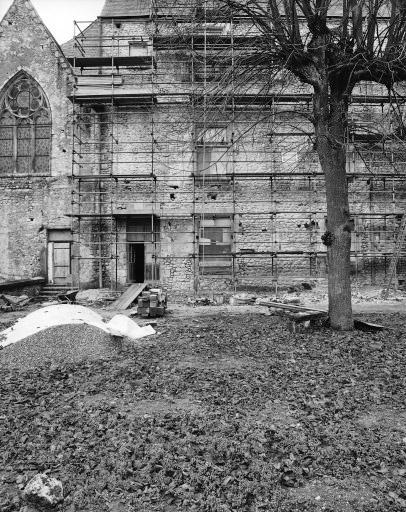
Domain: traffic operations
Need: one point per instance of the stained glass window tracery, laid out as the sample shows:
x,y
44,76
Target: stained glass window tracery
x,y
25,128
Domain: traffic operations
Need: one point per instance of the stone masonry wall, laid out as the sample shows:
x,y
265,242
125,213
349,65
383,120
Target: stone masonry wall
x,y
30,205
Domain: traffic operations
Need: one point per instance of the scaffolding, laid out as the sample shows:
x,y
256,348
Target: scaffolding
x,y
215,177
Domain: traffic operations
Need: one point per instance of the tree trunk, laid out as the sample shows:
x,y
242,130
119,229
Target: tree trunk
x,y
331,108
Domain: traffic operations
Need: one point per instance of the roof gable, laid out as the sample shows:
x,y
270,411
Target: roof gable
x,y
26,7
126,8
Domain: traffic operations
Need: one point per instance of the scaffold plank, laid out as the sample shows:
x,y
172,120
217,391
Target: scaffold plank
x,y
128,296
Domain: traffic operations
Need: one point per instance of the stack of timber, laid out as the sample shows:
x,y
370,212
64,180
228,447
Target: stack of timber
x,y
152,303
301,318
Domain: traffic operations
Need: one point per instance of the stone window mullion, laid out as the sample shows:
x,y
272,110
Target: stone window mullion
x,y
32,148
15,146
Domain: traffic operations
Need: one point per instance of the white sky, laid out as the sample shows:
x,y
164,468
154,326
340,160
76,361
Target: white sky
x,y
58,15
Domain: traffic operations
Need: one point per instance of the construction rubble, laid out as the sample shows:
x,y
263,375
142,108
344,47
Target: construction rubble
x,y
13,303
152,303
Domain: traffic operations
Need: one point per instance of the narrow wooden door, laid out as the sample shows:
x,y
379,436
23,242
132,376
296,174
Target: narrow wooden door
x,y
61,262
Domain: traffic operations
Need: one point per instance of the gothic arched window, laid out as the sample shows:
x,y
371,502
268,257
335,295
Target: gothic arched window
x,y
25,127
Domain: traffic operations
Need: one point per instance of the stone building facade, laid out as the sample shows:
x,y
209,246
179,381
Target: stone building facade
x,y
132,153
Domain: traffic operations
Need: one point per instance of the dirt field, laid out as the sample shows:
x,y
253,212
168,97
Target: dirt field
x,y
223,410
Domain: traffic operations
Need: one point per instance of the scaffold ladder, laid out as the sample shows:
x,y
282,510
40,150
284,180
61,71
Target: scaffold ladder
x,y
395,257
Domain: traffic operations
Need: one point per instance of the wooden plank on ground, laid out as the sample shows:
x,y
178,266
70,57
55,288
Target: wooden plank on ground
x,y
358,324
289,307
128,296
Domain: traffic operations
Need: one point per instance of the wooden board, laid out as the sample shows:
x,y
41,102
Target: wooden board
x,y
358,324
128,296
289,307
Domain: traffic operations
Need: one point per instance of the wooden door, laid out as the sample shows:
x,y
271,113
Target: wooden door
x,y
61,262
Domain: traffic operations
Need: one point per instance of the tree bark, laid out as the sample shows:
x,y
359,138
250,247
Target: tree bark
x,y
331,108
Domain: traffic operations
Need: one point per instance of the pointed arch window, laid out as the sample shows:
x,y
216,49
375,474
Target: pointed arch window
x,y
25,128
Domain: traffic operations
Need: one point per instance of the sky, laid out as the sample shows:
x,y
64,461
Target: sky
x,y
58,15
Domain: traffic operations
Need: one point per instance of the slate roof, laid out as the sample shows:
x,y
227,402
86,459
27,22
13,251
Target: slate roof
x,y
124,8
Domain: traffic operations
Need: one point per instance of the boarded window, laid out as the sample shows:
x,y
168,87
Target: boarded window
x,y
212,150
139,48
215,245
209,71
25,128
373,235
212,161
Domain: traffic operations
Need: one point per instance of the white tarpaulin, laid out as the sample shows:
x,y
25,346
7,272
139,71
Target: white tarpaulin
x,y
63,314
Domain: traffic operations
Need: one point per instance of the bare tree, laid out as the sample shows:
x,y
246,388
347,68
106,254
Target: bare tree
x,y
330,46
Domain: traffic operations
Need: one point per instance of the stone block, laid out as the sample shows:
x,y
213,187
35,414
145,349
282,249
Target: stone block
x,y
43,491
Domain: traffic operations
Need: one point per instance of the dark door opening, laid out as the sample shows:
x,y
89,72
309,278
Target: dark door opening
x,y
136,263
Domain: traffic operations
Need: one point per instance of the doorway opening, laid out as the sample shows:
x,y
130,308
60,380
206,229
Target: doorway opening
x,y
142,248
136,263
